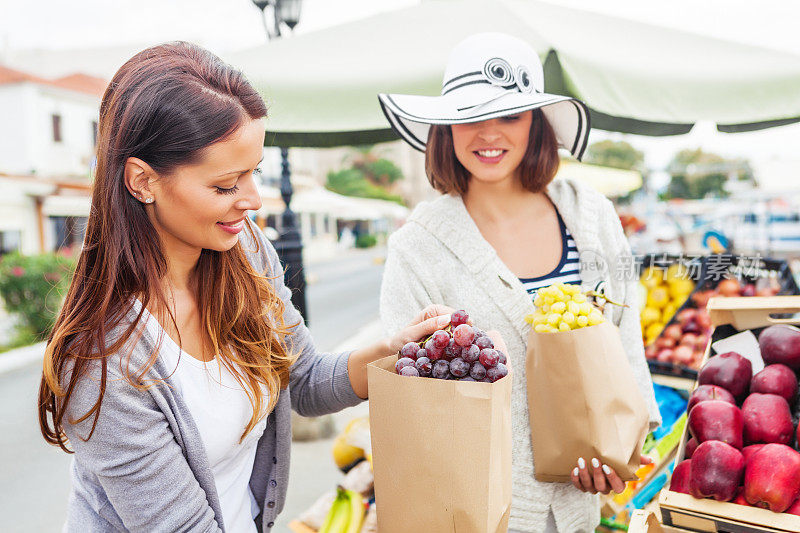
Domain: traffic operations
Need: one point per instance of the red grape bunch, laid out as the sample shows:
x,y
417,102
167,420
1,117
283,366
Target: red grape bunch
x,y
460,351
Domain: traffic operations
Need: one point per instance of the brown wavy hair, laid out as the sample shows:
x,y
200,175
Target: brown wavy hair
x,y
536,170
165,106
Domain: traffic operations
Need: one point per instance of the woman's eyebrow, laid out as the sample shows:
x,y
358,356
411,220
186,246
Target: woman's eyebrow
x,y
238,171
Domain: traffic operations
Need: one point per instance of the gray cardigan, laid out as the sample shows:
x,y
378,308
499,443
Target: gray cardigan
x,y
145,468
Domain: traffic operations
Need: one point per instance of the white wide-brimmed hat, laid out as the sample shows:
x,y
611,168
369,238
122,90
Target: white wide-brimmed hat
x,y
488,75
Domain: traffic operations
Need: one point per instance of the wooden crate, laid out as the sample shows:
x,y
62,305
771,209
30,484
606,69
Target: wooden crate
x,y
683,510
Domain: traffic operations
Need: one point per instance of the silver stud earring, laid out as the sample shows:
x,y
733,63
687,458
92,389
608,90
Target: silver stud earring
x,y
148,201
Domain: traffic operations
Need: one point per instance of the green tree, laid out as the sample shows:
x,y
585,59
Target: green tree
x,y
617,154
367,176
614,154
695,174
352,182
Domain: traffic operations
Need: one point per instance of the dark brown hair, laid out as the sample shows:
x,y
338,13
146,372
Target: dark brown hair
x,y
165,106
537,169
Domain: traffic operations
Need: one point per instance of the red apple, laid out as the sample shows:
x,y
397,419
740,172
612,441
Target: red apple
x,y
681,476
749,451
772,477
703,319
665,355
692,326
683,355
729,287
701,341
685,315
716,471
664,342
651,351
767,419
691,446
688,339
709,392
740,499
716,420
729,370
781,344
794,508
673,331
776,379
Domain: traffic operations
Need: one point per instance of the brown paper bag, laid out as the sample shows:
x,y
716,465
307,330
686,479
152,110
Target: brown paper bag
x,y
583,401
441,452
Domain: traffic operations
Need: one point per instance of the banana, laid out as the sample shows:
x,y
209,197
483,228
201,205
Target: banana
x,y
338,518
356,511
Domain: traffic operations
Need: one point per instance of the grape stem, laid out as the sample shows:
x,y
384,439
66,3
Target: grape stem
x,y
604,297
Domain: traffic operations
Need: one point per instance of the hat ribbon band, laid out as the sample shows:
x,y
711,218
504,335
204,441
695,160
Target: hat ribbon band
x,y
510,86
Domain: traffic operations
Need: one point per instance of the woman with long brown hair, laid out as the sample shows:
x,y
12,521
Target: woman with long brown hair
x,y
177,356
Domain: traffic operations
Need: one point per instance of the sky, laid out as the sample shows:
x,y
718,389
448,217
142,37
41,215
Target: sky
x,y
223,25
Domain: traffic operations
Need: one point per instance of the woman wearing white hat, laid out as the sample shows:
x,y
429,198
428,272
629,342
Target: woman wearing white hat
x,y
502,229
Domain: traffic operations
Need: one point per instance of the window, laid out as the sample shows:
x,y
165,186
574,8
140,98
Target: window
x,y
10,241
56,128
94,133
68,231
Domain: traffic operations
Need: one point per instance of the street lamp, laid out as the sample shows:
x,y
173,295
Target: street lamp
x,y
289,244
283,11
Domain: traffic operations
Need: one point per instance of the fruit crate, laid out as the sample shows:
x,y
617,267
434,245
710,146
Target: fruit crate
x,y
766,277
729,316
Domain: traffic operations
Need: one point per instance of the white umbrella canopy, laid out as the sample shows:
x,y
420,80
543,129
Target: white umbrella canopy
x,y
637,76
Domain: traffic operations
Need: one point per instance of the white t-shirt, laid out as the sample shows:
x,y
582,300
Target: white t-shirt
x,y
221,410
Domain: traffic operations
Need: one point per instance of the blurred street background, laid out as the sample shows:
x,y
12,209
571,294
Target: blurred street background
x,y
696,114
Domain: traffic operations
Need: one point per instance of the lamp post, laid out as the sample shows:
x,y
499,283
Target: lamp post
x,y
289,244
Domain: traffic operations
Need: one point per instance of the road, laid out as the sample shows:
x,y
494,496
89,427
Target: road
x,y
342,298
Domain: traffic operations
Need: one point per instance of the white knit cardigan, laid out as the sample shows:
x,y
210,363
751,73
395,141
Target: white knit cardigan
x,y
440,256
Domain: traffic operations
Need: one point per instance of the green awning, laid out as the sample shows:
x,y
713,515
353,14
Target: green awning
x,y
637,77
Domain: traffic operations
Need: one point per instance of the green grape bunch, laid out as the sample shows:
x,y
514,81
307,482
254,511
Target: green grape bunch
x,y
563,307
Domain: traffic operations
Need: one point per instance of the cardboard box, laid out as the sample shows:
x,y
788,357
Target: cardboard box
x,y
647,522
729,316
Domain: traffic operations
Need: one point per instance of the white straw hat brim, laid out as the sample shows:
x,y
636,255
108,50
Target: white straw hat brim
x,y
411,115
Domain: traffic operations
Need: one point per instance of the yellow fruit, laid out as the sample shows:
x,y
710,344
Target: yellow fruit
x,y
658,297
558,307
572,289
545,308
680,289
595,317
582,321
539,300
553,319
653,330
579,298
677,272
549,299
650,315
563,327
344,454
573,308
568,318
668,311
539,318
585,308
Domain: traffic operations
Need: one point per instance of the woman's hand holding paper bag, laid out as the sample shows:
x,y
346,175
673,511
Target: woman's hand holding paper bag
x,y
602,478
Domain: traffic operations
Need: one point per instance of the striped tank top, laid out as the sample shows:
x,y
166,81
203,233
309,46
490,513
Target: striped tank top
x,y
568,269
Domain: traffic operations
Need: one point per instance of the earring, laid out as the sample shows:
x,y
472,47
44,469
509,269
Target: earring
x,y
148,201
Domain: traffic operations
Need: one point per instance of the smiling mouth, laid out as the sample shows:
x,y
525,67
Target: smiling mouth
x,y
233,226
490,155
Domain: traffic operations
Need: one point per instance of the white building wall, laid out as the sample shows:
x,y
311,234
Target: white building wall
x,y
74,154
17,128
